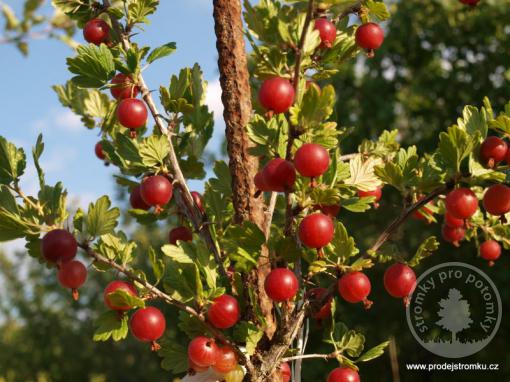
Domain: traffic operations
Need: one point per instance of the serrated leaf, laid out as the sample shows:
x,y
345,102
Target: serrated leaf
x,y
248,333
373,353
343,245
161,51
175,358
12,162
427,248
138,10
192,326
111,325
101,219
122,298
154,150
362,173
158,265
378,9
94,66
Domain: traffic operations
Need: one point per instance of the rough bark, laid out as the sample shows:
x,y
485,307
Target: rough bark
x,y
236,98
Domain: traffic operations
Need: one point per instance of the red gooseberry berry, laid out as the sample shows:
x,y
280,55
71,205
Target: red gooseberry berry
x,y
72,274
470,2
226,360
203,351
492,151
281,284
285,372
331,210
490,250
98,149
369,36
400,281
276,94
311,160
327,31
424,212
452,222
136,201
316,230
59,245
224,312
377,194
496,200
461,203
318,294
279,175
453,235
114,286
355,287
156,190
148,325
180,234
123,87
132,113
260,182
343,374
197,199
96,31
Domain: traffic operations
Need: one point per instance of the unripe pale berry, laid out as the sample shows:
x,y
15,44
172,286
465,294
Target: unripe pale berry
x,y
276,94
311,160
59,246
281,284
96,31
461,203
327,31
496,200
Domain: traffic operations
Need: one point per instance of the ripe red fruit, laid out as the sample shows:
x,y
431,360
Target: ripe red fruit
x,y
226,360
316,230
197,198
136,201
148,325
132,113
114,286
260,182
180,234
490,250
59,246
461,203
203,351
285,372
355,287
224,312
377,193
343,374
96,31
311,160
99,151
279,175
327,31
281,284
317,294
156,190
453,235
276,94
492,151
369,36
400,281
452,222
496,200
470,2
72,274
123,87
331,210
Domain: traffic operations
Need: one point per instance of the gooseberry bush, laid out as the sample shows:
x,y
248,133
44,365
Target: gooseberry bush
x,y
264,249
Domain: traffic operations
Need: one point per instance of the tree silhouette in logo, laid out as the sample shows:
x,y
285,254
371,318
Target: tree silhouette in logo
x,y
455,314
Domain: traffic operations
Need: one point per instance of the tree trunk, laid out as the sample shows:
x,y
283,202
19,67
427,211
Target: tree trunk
x,y
236,98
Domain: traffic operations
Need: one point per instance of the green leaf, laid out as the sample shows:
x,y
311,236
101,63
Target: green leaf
x,y
161,51
243,244
248,333
175,358
122,298
427,248
373,353
138,10
101,219
377,9
454,146
192,168
158,265
53,201
192,326
111,325
37,151
94,66
11,21
352,343
154,150
12,162
362,173
343,245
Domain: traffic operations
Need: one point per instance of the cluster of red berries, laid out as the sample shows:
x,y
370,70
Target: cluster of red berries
x,y
203,353
59,247
154,191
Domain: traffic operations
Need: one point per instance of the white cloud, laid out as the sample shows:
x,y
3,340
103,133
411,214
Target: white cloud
x,y
213,99
60,119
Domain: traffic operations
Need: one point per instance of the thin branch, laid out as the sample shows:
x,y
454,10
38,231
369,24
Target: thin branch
x,y
185,200
26,199
269,214
311,356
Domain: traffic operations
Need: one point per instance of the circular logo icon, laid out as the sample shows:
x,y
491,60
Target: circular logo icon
x,y
455,310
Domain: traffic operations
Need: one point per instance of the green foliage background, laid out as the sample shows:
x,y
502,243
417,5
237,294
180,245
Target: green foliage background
x,y
437,57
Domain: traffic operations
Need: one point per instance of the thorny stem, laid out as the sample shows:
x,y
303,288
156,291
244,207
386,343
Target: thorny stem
x,y
26,199
184,198
311,356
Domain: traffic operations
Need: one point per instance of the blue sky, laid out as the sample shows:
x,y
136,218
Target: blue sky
x,y
29,106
